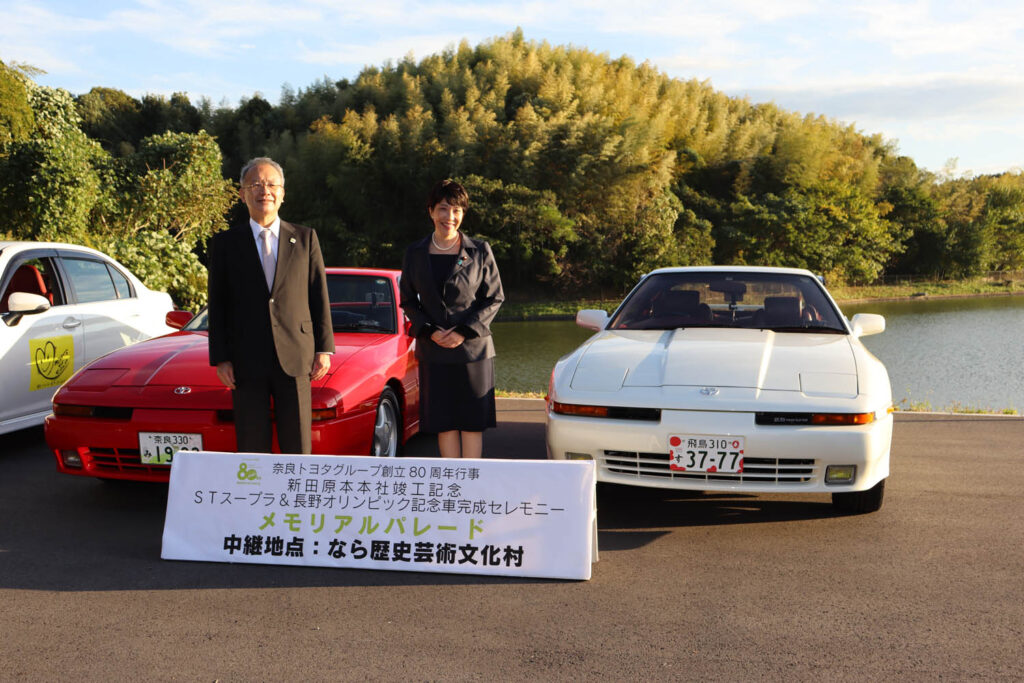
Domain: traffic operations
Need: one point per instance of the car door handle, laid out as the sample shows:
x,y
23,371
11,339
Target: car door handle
x,y
71,323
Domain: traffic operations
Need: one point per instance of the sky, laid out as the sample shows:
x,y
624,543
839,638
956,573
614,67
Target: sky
x,y
942,80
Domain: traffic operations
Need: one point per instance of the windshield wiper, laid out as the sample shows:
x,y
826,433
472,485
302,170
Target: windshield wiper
x,y
805,328
364,324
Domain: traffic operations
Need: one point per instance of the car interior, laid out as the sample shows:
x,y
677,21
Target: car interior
x,y
361,304
674,301
27,278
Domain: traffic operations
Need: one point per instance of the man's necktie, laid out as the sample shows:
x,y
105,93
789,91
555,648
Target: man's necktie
x,y
268,258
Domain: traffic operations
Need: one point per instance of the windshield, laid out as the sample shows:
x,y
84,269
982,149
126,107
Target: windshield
x,y
782,302
359,303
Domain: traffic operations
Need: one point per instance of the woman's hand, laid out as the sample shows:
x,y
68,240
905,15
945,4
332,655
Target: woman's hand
x,y
447,339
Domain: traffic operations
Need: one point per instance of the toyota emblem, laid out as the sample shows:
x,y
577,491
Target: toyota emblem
x,y
709,391
181,391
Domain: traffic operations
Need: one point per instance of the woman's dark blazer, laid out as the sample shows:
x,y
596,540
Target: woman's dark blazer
x,y
472,296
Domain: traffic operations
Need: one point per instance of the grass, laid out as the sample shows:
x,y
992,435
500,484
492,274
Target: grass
x,y
908,406
979,286
504,393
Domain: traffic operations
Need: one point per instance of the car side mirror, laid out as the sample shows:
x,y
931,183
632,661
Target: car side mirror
x,y
178,319
24,303
591,319
865,324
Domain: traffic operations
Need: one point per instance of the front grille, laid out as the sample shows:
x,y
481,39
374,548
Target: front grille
x,y
121,460
655,466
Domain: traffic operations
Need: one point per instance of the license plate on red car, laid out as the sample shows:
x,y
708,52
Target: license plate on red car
x,y
158,448
705,453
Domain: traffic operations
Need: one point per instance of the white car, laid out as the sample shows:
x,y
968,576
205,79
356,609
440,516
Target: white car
x,y
738,379
61,307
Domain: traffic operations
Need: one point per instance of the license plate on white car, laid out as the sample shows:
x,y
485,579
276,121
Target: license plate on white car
x,y
705,453
158,448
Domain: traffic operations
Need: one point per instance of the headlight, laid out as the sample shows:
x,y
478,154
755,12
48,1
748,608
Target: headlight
x,y
64,410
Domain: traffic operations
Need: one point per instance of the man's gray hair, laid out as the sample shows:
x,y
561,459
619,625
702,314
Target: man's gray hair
x,y
259,161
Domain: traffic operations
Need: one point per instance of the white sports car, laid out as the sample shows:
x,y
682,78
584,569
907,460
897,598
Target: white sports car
x,y
728,379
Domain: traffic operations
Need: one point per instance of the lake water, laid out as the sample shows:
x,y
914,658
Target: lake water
x,y
967,352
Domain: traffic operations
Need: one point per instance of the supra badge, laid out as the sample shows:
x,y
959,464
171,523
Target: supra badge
x,y
709,391
181,391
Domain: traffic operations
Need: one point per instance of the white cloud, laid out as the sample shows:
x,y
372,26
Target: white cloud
x,y
914,29
210,29
377,53
944,96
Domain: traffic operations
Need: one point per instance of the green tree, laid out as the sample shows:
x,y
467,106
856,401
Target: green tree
x,y
160,206
113,118
1004,220
16,118
152,209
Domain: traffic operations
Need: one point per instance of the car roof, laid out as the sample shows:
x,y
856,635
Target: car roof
x,y
733,269
22,245
377,272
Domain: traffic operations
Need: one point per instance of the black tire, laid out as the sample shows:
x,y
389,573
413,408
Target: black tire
x,y
860,502
387,426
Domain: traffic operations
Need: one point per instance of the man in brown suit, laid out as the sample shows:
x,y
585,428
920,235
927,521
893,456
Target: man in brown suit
x,y
269,316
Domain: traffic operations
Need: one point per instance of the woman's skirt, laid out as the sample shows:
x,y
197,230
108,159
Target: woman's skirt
x,y
457,396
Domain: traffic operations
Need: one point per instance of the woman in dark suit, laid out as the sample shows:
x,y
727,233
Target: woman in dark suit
x,y
451,292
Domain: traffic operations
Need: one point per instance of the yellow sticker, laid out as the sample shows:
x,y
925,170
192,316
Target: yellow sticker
x,y
52,360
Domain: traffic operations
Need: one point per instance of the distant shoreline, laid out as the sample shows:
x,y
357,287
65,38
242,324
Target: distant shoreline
x,y
930,297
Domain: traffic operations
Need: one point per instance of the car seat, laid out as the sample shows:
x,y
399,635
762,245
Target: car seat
x,y
26,278
782,311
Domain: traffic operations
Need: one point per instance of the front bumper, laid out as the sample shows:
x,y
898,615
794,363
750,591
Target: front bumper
x,y
109,448
777,458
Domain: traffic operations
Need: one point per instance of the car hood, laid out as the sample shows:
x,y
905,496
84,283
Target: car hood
x,y
179,358
814,364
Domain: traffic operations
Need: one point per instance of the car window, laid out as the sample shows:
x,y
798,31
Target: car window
x,y
361,303
35,276
777,301
200,323
90,280
121,284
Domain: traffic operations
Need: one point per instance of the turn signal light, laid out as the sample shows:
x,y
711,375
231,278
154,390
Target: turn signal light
x,y
324,414
842,418
613,412
820,419
584,411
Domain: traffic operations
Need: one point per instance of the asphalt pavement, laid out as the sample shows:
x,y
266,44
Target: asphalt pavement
x,y
689,586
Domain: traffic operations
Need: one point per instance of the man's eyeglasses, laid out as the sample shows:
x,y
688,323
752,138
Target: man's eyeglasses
x,y
273,187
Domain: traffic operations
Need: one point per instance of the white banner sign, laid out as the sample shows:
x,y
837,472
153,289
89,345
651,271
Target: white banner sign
x,y
494,517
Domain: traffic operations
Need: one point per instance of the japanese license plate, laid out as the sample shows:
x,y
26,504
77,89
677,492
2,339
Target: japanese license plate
x,y
705,453
158,448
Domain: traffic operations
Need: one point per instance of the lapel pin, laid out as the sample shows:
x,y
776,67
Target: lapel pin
x,y
292,240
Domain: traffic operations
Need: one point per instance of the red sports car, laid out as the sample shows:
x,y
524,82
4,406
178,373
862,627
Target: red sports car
x,y
126,414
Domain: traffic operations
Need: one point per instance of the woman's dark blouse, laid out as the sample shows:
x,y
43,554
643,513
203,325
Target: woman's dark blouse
x,y
441,266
